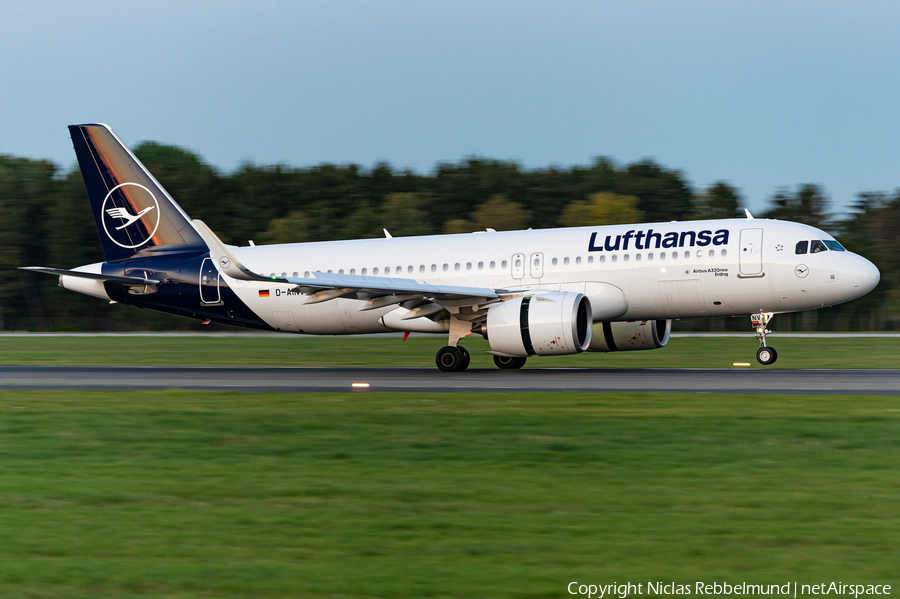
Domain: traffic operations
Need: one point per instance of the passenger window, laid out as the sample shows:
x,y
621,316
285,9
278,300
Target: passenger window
x,y
724,252
387,270
364,271
446,267
468,266
352,271
662,255
712,253
341,271
421,268
566,260
410,269
434,268
375,271
480,265
306,275
590,259
615,257
493,264
295,274
637,256
503,264
650,256
602,258
578,260
801,248
554,262
674,255
626,257
816,246
456,266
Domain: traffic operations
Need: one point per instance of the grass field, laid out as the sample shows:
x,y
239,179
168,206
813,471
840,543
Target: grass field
x,y
714,352
178,494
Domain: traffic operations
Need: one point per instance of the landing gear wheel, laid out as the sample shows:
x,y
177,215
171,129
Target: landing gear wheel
x,y
450,359
766,356
465,356
508,363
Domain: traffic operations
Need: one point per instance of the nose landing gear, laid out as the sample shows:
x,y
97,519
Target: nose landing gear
x,y
765,355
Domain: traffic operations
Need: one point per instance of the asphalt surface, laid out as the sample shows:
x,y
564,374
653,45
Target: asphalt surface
x,y
293,380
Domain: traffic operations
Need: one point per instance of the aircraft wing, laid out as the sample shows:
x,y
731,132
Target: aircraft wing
x,y
327,286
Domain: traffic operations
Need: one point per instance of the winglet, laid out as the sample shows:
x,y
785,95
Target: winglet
x,y
226,261
747,212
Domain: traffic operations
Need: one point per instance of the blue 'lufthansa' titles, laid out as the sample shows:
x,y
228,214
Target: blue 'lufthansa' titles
x,y
644,239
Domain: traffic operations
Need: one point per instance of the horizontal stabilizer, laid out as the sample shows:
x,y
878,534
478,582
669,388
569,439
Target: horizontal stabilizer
x,y
91,275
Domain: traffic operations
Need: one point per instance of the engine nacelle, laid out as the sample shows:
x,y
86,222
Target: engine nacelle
x,y
630,336
545,324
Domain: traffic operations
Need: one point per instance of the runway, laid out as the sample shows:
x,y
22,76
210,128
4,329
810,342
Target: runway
x,y
306,380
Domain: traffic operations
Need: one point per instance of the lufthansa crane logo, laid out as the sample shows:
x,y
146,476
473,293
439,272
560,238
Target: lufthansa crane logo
x,y
121,218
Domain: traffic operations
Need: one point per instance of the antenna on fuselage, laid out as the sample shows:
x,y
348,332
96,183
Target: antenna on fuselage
x,y
747,212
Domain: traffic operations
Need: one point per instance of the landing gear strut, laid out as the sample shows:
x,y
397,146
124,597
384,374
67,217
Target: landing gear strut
x,y
452,359
765,355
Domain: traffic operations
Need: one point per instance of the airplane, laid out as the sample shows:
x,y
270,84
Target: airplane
x,y
529,293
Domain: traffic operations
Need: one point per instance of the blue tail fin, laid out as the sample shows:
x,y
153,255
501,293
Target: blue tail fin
x,y
132,210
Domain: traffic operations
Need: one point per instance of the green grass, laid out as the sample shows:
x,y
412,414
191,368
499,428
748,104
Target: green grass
x,y
179,494
419,351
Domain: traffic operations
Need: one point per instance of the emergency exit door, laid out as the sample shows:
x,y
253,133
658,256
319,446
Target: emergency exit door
x,y
751,252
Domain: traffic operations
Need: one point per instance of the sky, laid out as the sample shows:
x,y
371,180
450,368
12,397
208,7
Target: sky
x,y
762,94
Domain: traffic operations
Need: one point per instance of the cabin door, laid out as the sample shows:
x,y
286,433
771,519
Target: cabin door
x,y
209,283
751,252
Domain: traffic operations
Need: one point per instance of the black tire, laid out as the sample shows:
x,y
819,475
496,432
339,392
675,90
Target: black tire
x,y
507,363
465,356
766,356
449,359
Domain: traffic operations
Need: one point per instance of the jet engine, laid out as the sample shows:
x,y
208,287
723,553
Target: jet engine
x,y
545,324
630,336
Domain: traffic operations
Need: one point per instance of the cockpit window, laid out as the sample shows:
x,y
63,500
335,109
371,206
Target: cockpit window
x,y
833,245
802,247
816,246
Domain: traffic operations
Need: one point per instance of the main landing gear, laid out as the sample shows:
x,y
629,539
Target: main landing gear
x,y
765,355
509,362
452,359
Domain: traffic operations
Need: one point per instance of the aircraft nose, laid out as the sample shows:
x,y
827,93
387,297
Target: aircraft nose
x,y
865,275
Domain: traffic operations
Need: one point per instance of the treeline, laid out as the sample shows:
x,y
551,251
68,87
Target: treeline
x,y
45,220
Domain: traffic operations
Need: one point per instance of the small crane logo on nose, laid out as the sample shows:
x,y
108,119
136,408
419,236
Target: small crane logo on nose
x,y
801,270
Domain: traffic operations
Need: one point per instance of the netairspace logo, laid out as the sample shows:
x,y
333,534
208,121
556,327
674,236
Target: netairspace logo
x,y
791,589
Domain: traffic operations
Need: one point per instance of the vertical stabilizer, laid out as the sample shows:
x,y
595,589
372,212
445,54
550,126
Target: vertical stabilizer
x,y
132,210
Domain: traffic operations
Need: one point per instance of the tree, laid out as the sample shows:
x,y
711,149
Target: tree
x,y
404,214
662,194
806,205
719,200
293,228
497,213
602,209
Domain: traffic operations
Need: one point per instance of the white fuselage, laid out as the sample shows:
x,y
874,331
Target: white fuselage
x,y
665,270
